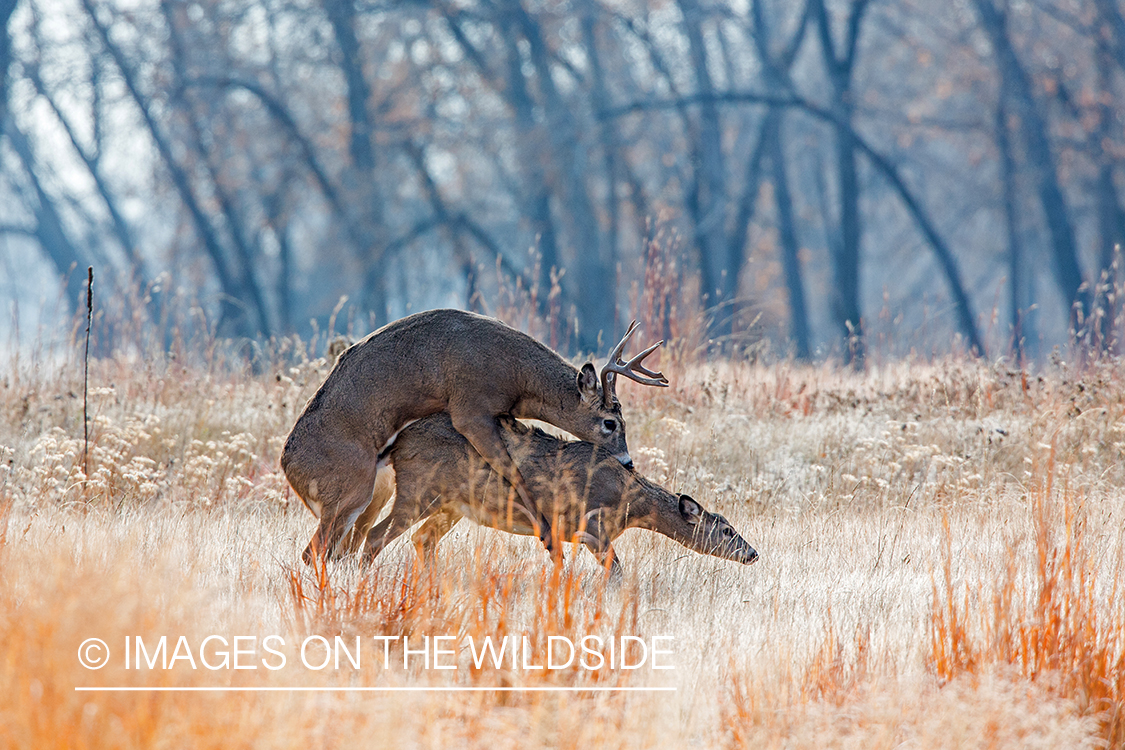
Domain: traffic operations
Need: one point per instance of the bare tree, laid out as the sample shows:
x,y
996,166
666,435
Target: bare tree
x,y
293,154
1041,158
7,8
840,60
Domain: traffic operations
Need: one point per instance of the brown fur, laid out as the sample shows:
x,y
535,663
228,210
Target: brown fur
x,y
590,498
473,367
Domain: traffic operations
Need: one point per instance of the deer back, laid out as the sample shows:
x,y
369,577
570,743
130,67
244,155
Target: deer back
x,y
452,360
568,478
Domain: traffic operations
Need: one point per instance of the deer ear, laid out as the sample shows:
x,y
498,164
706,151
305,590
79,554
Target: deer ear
x,y
690,510
588,383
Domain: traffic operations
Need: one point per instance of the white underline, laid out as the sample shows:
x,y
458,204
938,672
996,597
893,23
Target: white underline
x,y
412,689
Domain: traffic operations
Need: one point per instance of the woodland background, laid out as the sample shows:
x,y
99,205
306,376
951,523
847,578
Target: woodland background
x,y
880,188
825,178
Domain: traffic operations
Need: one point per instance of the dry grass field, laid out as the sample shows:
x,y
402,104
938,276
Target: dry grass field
x,y
942,565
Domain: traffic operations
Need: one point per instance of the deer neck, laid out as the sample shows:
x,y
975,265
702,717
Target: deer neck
x,y
657,510
641,509
550,394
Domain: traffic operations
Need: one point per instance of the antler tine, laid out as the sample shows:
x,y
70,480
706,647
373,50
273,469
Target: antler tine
x,y
609,391
615,353
633,369
634,365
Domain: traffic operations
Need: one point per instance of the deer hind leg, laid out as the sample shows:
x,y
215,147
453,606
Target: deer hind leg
x,y
483,433
431,532
343,491
384,489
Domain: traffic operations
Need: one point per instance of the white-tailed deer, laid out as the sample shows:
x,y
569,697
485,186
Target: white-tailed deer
x,y
590,498
473,367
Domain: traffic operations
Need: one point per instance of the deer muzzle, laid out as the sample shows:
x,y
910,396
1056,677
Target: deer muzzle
x,y
625,460
737,550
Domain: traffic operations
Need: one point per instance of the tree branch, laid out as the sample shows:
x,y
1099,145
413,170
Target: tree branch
x,y
883,165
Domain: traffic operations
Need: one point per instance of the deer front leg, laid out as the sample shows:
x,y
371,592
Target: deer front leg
x,y
606,556
483,433
594,537
403,515
616,572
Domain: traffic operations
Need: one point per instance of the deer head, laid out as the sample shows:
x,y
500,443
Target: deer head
x,y
712,534
605,425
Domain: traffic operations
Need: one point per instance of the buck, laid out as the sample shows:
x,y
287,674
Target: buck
x,y
591,497
471,366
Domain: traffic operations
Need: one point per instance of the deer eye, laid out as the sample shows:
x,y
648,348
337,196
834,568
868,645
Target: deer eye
x,y
728,532
609,426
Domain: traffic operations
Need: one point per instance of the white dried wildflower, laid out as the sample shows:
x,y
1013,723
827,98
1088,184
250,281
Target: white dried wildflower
x,y
675,427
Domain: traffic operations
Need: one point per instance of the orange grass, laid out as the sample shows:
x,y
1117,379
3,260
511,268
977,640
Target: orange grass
x,y
941,566
1053,629
481,598
110,596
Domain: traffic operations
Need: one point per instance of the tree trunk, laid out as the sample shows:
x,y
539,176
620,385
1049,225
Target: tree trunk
x,y
7,7
232,315
529,142
244,265
846,266
362,178
846,256
790,247
590,282
720,283
1064,248
748,200
609,142
69,261
1110,223
1011,223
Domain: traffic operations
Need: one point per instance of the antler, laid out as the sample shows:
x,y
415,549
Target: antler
x,y
615,366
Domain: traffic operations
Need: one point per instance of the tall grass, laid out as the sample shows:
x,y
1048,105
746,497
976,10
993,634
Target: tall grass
x,y
1063,626
942,562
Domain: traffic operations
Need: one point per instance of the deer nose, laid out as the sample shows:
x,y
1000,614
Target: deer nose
x,y
752,557
625,460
